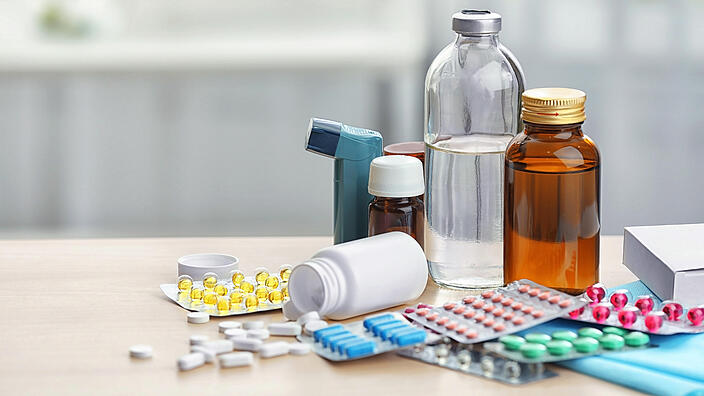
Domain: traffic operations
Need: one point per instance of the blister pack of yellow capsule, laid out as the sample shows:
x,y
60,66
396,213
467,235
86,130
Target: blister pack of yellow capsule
x,y
238,294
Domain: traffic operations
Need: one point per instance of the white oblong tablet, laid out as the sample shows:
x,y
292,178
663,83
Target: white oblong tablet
x,y
235,333
198,339
253,324
285,329
219,346
141,351
207,352
198,317
272,349
222,326
247,344
314,325
290,311
307,317
260,334
236,359
190,361
298,348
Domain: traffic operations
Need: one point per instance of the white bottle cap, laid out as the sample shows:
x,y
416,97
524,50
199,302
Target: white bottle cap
x,y
396,176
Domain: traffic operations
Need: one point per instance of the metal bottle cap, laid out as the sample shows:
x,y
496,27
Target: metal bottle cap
x,y
476,22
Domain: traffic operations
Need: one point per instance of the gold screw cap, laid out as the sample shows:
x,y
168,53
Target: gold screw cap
x,y
553,106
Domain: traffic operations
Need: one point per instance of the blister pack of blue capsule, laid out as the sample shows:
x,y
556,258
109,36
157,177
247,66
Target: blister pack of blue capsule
x,y
374,335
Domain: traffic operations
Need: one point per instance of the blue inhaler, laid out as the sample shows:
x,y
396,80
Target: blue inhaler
x,y
353,150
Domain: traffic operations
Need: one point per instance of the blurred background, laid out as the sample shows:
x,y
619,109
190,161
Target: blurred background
x,y
185,117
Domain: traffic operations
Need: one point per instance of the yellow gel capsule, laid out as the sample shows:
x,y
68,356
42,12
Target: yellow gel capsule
x,y
184,283
251,302
237,277
220,289
210,280
183,295
223,304
247,287
196,294
261,275
262,293
272,282
236,297
285,272
276,297
210,298
284,291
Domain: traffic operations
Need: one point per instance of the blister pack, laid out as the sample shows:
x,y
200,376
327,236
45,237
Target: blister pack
x,y
514,307
372,336
621,309
237,295
475,360
567,345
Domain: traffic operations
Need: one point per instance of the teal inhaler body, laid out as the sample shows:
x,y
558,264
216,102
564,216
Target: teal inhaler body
x,y
353,150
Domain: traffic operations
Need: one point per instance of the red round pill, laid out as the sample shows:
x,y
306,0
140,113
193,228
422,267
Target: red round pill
x,y
645,304
480,317
458,310
554,299
471,334
469,300
596,293
576,313
469,314
448,306
627,316
544,295
601,312
499,327
507,301
673,310
537,314
432,316
527,309
498,312
523,288
566,303
497,297
517,305
422,312
488,308
508,316
518,320
489,322
409,310
442,320
533,292
487,293
478,304
451,325
654,320
461,329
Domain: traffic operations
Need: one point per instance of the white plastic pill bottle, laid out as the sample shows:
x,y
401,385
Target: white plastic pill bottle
x,y
360,276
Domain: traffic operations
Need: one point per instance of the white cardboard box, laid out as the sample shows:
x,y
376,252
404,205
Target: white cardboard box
x,y
669,259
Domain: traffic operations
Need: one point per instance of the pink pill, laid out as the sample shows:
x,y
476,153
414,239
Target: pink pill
x,y
508,316
432,316
596,293
488,308
451,325
518,320
619,299
645,304
409,310
421,305
537,314
627,316
566,303
507,301
527,309
422,312
497,297
533,292
471,334
478,304
696,315
498,312
673,310
480,317
499,327
554,299
469,314
654,320
489,322
442,320
577,313
461,329
517,305
487,293
544,295
601,312
458,310
469,300
448,306
523,288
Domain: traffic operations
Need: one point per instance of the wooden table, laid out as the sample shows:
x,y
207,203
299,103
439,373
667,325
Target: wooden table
x,y
72,308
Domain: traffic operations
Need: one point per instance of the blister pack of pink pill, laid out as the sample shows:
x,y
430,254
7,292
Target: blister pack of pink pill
x,y
514,307
621,309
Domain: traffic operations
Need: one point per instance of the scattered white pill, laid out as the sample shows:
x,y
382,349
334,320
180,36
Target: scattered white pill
x,y
307,317
298,348
191,361
198,317
260,334
314,325
235,333
247,344
141,351
222,326
219,346
254,324
198,339
272,349
290,311
285,329
236,359
207,352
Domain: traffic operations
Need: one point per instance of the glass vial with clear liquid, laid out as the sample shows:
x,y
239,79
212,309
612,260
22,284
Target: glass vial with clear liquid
x,y
472,103
552,220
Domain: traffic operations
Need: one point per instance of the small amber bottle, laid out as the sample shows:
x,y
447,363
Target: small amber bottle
x,y
396,182
552,194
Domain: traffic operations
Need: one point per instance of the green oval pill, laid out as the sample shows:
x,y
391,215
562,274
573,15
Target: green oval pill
x,y
615,330
565,335
537,338
611,341
512,342
585,344
636,339
532,350
559,347
589,332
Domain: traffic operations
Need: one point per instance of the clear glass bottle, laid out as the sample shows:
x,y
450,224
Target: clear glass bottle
x,y
552,220
472,103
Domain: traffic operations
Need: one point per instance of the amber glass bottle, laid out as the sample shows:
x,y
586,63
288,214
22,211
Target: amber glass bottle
x,y
552,194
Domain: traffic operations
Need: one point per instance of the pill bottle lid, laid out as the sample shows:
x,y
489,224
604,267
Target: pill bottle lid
x,y
396,176
476,22
553,106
